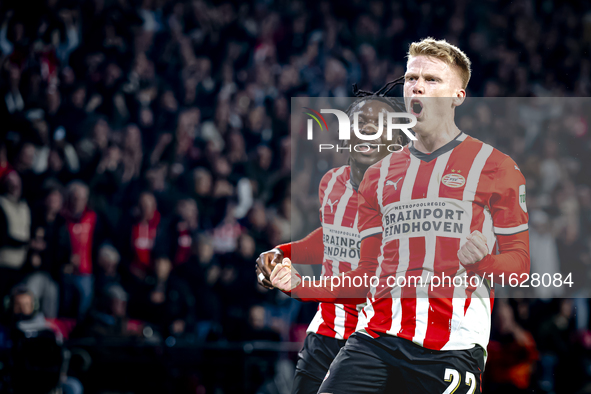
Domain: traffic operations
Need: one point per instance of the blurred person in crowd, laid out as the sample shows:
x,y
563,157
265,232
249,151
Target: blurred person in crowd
x,y
24,314
157,183
544,252
140,237
335,79
5,166
224,179
555,339
235,266
58,167
41,270
109,317
107,272
180,148
202,194
235,151
24,166
283,220
37,360
225,234
256,223
79,233
167,112
54,156
12,103
203,273
109,97
259,171
133,156
73,113
92,148
107,184
175,234
257,328
15,231
512,353
165,300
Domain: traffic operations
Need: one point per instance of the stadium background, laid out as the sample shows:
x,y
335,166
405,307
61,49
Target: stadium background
x,y
176,117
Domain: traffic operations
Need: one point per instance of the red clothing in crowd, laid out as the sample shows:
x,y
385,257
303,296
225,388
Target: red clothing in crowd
x,y
81,233
142,237
184,242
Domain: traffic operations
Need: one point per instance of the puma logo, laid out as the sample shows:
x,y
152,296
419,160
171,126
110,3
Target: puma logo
x,y
331,203
395,184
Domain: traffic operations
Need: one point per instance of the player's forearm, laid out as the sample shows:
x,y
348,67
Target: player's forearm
x,y
513,258
309,250
344,289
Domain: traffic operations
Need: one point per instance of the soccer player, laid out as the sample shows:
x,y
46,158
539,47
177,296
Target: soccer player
x,y
449,205
334,323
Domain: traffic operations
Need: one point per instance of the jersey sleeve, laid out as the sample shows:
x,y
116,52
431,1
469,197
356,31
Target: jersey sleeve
x,y
509,215
507,200
370,218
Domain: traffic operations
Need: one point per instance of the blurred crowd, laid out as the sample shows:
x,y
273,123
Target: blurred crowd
x,y
145,157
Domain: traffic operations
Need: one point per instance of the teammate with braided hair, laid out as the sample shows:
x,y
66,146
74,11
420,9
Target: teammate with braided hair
x,y
333,323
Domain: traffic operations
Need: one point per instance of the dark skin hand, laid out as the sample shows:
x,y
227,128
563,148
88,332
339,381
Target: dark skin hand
x,y
265,263
368,122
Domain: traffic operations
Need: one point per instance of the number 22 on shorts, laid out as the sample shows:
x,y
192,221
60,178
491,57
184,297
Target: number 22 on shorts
x,y
454,377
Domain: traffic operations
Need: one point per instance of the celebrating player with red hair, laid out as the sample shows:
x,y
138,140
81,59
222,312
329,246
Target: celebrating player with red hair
x,y
448,205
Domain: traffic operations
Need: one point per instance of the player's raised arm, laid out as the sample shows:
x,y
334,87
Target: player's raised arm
x,y
309,251
510,220
345,288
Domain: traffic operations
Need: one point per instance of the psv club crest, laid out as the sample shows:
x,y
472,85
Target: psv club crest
x,y
453,180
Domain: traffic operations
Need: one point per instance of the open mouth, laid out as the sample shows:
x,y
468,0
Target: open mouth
x,y
416,107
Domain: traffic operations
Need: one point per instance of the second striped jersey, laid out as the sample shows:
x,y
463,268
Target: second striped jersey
x,y
338,217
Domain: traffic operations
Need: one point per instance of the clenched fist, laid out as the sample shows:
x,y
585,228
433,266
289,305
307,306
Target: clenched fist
x,y
474,250
284,276
265,264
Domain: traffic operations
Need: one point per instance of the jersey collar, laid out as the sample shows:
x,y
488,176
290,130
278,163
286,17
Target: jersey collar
x,y
444,149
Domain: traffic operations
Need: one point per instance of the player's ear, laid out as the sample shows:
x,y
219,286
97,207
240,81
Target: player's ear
x,y
459,98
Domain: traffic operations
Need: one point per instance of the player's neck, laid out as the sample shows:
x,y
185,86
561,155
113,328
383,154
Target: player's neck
x,y
430,141
357,172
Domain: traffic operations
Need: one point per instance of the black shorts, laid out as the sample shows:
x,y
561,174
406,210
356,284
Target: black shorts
x,y
390,364
313,362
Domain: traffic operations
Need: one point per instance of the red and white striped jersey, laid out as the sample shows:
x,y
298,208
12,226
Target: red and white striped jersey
x,y
425,205
338,216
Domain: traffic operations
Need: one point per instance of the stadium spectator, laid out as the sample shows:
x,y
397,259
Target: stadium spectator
x,y
141,236
512,354
107,274
109,318
165,300
36,360
78,234
15,231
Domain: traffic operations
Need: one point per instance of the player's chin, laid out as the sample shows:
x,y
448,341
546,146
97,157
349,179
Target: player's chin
x,y
368,156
